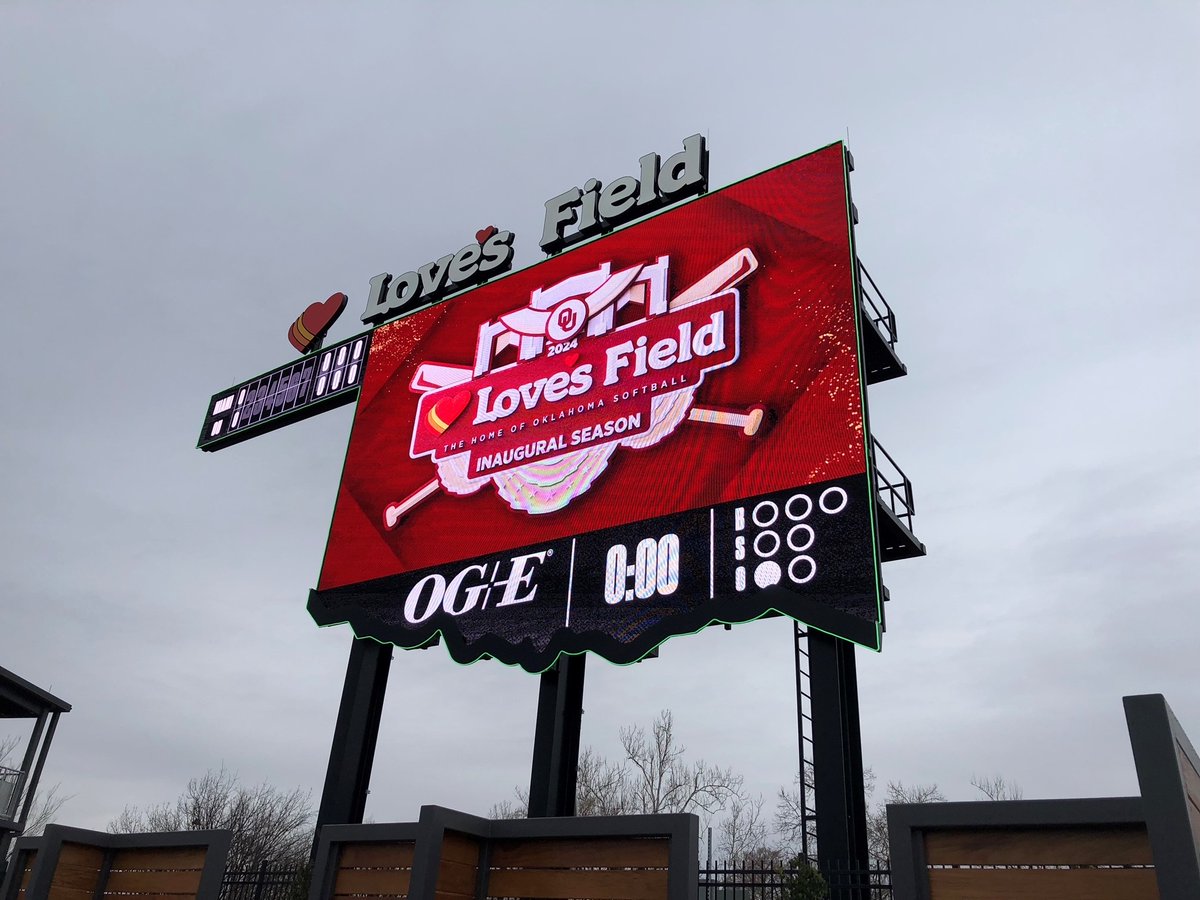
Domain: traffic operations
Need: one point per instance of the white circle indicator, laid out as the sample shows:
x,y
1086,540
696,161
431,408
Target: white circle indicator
x,y
759,543
766,508
801,537
838,496
791,513
798,573
767,574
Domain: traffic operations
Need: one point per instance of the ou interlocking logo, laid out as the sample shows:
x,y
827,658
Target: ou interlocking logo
x,y
567,320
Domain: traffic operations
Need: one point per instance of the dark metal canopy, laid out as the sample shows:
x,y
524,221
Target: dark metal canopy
x,y
21,700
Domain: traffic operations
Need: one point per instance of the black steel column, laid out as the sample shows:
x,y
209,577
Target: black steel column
x,y
552,780
837,765
348,777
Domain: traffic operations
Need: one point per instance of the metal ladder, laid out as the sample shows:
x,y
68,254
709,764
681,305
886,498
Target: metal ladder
x,y
804,723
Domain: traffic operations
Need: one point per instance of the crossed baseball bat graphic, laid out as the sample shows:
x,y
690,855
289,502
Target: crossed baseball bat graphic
x,y
722,278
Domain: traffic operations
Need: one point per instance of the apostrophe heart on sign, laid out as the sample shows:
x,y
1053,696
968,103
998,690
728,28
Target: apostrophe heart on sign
x,y
446,410
484,233
315,321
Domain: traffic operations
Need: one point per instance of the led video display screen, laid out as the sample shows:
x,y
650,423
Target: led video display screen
x,y
652,432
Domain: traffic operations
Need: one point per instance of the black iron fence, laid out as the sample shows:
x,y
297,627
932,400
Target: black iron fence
x,y
851,881
718,881
757,881
266,883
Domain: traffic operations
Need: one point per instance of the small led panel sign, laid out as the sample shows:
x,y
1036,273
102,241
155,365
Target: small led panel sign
x,y
310,385
655,431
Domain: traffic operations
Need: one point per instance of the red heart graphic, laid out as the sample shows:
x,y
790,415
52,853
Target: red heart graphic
x,y
570,359
315,321
446,410
484,233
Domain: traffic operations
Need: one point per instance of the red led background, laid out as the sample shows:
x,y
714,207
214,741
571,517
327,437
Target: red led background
x,y
798,359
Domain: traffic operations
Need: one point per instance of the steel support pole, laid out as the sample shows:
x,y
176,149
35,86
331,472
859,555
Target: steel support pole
x,y
22,795
555,770
837,764
348,777
32,778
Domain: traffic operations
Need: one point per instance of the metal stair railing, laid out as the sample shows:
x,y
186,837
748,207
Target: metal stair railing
x,y
892,485
876,307
11,781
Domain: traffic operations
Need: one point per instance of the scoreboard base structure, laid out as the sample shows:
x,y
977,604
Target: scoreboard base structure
x,y
797,553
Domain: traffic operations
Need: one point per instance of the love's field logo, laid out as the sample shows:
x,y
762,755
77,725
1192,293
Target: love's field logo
x,y
600,360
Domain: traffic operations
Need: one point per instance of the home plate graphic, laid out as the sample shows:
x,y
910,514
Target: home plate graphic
x,y
587,384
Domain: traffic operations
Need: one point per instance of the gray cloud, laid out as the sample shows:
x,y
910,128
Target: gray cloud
x,y
180,181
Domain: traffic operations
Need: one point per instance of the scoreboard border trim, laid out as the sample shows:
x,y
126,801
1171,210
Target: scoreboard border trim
x,y
771,611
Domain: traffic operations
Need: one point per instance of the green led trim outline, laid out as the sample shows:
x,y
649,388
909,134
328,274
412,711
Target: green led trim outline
x,y
860,357
439,634
862,388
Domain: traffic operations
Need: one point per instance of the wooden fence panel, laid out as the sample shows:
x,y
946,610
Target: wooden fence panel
x,y
1115,846
610,884
572,852
1043,884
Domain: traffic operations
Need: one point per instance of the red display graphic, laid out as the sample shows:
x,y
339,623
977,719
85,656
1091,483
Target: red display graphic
x,y
704,356
554,418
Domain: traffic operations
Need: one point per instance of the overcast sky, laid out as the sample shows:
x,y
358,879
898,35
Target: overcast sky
x,y
178,181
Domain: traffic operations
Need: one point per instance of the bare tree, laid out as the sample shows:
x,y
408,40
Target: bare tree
x,y
878,848
268,825
742,834
517,808
791,805
996,788
898,792
602,788
653,777
661,781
